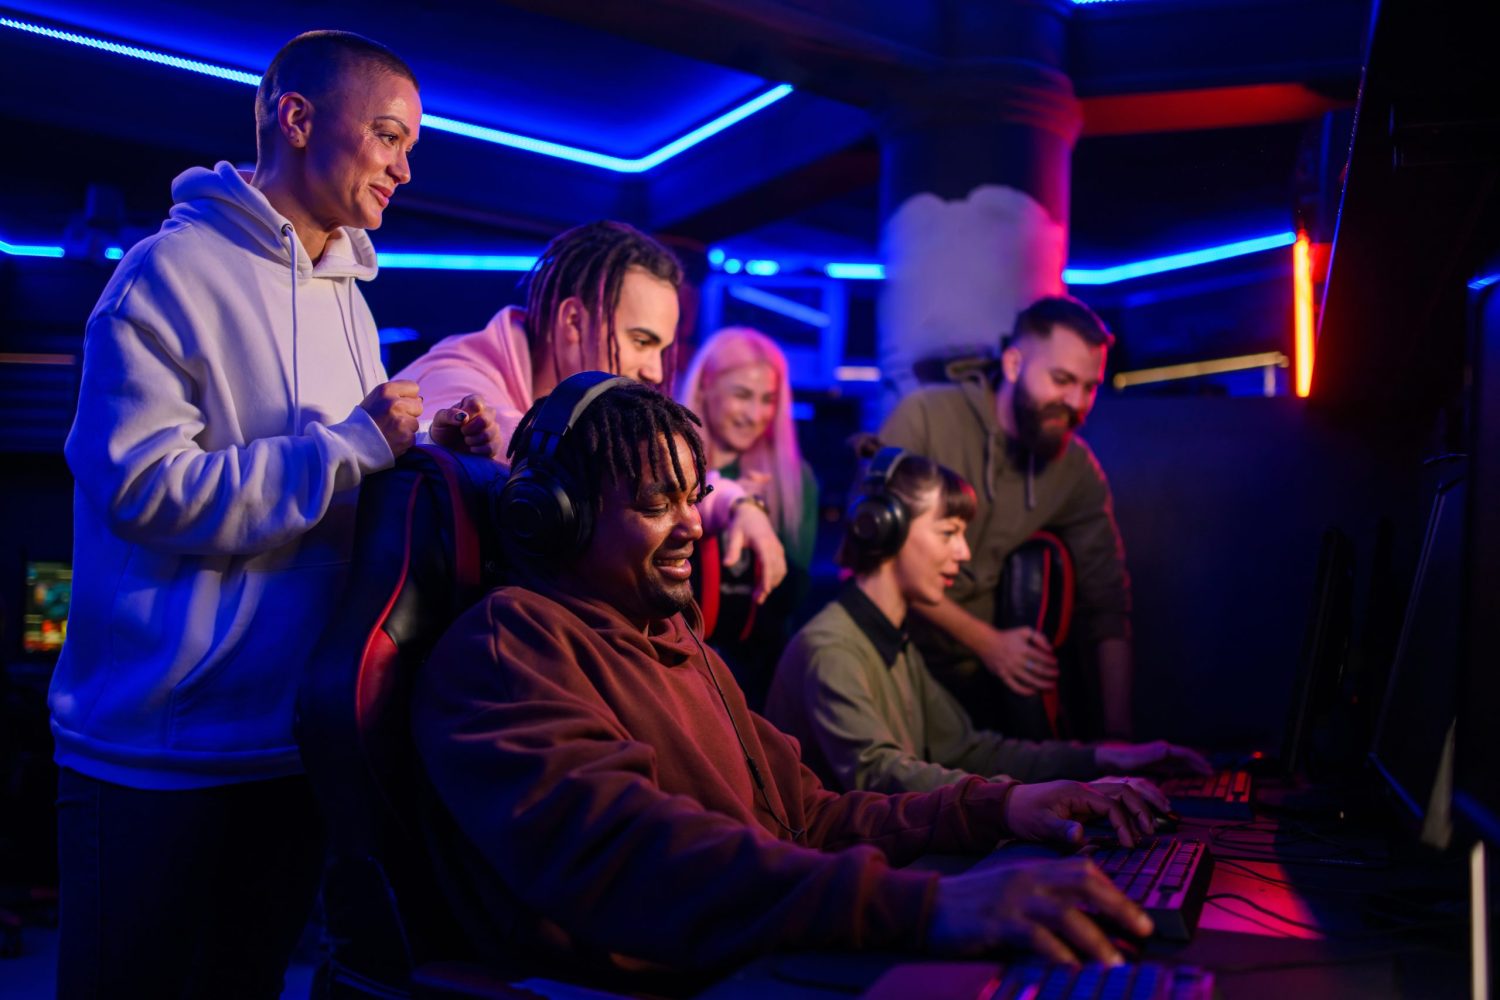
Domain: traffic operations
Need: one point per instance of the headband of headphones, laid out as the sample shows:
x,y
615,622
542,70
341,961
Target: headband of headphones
x,y
563,408
882,468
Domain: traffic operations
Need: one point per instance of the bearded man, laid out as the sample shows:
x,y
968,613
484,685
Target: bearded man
x,y
1009,427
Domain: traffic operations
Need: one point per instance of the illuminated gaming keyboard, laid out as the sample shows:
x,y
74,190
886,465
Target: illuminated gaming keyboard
x,y
1042,981
1168,876
1224,795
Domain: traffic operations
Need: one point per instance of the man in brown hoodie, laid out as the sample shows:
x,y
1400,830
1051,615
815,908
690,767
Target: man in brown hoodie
x,y
619,804
1008,428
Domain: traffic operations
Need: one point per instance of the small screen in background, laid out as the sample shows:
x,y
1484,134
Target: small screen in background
x,y
49,588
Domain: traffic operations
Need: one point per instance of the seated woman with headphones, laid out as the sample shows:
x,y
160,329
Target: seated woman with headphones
x,y
856,693
738,386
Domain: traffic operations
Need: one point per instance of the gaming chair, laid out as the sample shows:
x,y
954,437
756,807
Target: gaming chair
x,y
426,549
1036,589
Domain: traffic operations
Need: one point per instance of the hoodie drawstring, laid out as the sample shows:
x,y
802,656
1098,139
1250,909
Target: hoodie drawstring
x,y
291,246
351,339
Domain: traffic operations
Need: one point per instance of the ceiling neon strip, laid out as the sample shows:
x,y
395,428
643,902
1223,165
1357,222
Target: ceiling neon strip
x,y
499,137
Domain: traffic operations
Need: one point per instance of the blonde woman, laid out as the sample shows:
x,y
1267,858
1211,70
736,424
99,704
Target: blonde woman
x,y
738,385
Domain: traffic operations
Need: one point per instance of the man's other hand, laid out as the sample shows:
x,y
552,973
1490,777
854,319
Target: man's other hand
x,y
470,427
750,527
1056,811
1038,906
395,407
1156,757
1022,658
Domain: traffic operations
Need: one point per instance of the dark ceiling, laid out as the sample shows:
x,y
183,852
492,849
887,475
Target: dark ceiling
x,y
798,177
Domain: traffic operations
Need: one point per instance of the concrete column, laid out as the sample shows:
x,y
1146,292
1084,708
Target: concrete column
x,y
975,169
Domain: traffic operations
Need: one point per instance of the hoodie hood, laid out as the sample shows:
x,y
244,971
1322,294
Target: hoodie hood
x,y
223,197
669,641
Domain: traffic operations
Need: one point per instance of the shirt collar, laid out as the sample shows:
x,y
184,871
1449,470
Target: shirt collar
x,y
889,640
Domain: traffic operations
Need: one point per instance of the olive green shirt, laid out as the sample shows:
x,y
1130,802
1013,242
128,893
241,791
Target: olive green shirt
x,y
869,716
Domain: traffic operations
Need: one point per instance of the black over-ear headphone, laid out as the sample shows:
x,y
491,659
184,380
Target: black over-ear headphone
x,y
543,509
879,519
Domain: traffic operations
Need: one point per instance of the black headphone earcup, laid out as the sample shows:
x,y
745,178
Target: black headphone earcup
x,y
539,516
880,523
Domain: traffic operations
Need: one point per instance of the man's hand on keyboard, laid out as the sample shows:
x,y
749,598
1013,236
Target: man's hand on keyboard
x,y
1040,907
1057,810
1142,799
1156,757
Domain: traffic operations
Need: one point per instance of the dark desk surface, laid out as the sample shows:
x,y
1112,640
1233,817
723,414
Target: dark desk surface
x,y
1295,909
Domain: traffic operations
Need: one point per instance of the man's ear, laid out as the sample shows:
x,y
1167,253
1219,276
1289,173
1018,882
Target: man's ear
x,y
294,116
1010,363
568,324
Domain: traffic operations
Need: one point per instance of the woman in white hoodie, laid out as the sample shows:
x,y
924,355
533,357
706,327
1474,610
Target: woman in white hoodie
x,y
232,400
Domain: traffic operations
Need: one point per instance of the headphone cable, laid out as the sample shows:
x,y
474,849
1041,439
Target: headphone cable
x,y
760,782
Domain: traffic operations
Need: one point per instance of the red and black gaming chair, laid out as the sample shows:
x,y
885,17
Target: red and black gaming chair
x,y
426,549
1036,590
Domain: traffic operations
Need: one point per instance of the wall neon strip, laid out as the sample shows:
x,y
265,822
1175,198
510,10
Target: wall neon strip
x,y
855,272
1176,261
23,250
483,133
456,261
1108,275
780,304
1302,314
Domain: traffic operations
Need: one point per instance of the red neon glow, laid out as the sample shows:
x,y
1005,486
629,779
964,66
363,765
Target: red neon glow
x,y
1302,315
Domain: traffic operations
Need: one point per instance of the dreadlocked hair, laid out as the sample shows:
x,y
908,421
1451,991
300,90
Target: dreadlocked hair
x,y
603,448
590,262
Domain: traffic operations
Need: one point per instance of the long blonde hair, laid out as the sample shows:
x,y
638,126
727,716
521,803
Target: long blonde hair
x,y
775,454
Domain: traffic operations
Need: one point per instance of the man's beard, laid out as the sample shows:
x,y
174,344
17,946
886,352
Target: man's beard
x,y
1031,424
666,601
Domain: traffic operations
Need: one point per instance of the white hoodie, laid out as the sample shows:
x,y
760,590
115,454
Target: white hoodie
x,y
217,451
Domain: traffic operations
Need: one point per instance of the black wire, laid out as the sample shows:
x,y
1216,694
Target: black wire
x,y
1423,925
797,832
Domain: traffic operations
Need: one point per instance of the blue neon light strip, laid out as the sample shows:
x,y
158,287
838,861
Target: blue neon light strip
x,y
22,250
855,272
1176,261
134,52
484,133
779,304
456,261
1479,284
1109,275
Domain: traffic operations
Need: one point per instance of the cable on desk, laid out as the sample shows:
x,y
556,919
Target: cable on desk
x,y
1248,872
1378,932
1218,897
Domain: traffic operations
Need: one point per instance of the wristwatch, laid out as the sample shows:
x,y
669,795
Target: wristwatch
x,y
756,499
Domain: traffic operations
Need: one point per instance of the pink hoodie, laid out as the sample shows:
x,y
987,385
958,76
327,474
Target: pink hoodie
x,y
495,363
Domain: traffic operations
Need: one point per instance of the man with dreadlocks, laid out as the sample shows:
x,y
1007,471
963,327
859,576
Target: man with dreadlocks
x,y
601,295
617,803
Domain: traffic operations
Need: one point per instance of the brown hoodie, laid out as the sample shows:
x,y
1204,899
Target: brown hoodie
x,y
607,808
1019,495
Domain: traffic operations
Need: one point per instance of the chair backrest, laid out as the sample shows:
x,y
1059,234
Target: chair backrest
x,y
1037,589
426,549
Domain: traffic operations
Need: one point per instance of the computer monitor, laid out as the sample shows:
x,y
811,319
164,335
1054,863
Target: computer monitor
x,y
1311,725
1476,789
1413,746
44,622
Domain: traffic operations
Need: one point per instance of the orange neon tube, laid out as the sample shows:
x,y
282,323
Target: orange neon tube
x,y
1302,315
